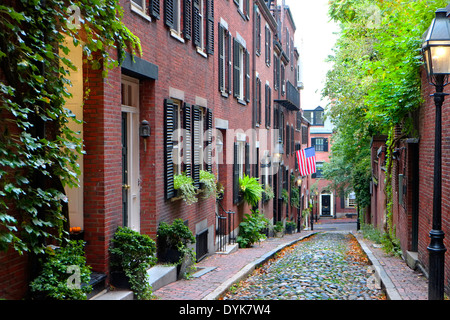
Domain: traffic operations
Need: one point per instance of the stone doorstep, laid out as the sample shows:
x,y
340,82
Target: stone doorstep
x,y
412,259
159,276
229,248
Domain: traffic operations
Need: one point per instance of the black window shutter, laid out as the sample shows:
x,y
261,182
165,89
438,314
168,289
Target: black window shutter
x,y
247,8
247,76
258,33
169,128
288,141
228,62
235,174
325,144
221,58
187,140
266,104
313,142
247,159
270,105
236,68
169,13
259,95
154,8
209,135
187,19
210,27
196,136
292,139
196,22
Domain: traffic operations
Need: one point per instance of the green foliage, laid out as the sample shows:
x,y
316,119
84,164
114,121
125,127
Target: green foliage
x,y
250,229
251,189
389,242
374,84
210,185
38,150
134,253
285,196
295,197
176,236
278,227
187,190
63,271
268,192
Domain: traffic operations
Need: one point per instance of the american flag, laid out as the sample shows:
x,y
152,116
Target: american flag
x,y
306,161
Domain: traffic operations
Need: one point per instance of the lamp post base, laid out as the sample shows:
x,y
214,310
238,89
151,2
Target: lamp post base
x,y
436,251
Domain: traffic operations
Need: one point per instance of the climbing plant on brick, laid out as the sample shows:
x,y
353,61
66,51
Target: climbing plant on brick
x,y
38,150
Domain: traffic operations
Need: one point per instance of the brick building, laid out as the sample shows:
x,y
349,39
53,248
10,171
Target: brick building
x,y
216,84
412,184
328,202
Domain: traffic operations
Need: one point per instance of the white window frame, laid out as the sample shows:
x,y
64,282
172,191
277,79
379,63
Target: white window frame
x,y
177,141
175,31
140,9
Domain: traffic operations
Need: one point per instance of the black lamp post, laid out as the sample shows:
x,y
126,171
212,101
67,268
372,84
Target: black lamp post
x,y
436,52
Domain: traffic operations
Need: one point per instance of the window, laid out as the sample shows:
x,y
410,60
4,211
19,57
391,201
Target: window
x,y
268,104
258,101
241,163
319,169
172,17
320,144
258,33
184,142
304,135
268,42
315,117
243,7
350,200
199,36
224,60
241,72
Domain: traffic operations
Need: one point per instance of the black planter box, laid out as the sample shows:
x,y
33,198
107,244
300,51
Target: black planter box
x,y
120,280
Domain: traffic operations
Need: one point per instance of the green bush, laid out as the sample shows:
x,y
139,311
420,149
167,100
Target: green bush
x,y
251,190
64,269
133,253
251,229
176,236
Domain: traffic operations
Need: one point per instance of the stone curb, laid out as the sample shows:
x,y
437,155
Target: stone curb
x,y
249,268
387,284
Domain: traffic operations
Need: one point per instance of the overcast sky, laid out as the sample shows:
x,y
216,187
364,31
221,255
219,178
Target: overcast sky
x,y
314,39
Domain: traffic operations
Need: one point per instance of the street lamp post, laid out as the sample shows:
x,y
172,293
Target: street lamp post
x,y
436,52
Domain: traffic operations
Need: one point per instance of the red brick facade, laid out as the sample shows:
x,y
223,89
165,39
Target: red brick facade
x,y
412,182
179,66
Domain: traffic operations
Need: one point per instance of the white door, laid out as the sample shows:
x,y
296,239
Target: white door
x,y
130,153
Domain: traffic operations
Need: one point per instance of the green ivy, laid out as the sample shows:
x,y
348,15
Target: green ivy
x,y
64,275
38,150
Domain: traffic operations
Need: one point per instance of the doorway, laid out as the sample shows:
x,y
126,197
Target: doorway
x,y
326,205
130,153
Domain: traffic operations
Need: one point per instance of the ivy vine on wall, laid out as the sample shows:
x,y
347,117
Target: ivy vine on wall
x,y
38,150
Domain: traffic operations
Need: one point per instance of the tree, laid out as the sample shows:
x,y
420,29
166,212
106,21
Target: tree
x,y
374,84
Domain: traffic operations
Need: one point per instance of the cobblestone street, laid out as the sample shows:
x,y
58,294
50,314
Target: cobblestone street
x,y
327,266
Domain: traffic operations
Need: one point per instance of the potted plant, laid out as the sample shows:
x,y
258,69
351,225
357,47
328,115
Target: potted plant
x,y
268,193
132,254
295,198
290,227
219,190
208,180
251,229
285,196
278,229
64,274
250,189
173,241
185,188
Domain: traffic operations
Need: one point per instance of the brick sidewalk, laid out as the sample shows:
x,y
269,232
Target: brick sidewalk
x,y
227,267
410,284
404,283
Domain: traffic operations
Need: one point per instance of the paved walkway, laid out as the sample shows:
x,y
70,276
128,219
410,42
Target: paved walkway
x,y
400,282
